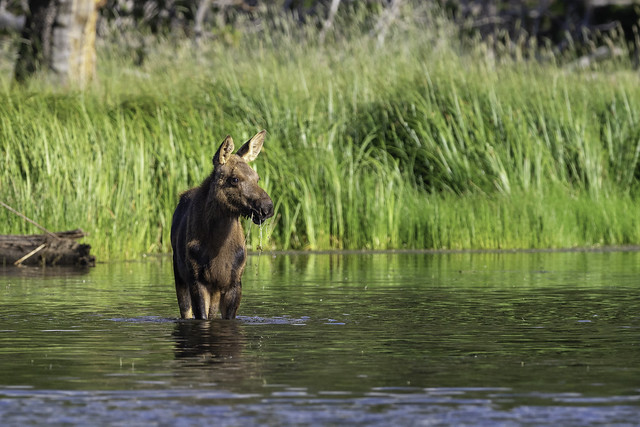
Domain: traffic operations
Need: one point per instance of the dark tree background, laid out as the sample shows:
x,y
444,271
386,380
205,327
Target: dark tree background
x,y
59,35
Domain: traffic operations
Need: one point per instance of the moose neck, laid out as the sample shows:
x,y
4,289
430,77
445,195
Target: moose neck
x,y
218,223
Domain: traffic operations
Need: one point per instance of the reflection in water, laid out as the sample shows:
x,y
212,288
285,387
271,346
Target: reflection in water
x,y
216,341
214,354
44,272
369,339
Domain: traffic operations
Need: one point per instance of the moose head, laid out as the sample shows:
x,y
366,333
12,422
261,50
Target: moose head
x,y
236,186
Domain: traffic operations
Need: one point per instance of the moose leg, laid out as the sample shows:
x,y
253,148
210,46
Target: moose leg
x,y
182,291
230,301
184,300
201,300
214,307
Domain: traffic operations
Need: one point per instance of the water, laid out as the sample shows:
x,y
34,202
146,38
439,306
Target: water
x,y
358,339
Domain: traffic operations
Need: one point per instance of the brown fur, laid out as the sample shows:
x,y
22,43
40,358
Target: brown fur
x,y
206,235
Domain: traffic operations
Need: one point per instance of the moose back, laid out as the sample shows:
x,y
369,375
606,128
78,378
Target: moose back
x,y
208,243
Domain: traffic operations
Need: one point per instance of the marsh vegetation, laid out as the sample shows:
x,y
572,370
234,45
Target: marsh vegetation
x,y
422,139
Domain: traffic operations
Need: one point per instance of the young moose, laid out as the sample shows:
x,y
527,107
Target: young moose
x,y
206,234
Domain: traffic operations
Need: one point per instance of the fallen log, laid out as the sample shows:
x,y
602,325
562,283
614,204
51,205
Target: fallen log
x,y
46,249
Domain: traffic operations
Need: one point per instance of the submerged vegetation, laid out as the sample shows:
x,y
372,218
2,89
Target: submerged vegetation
x,y
419,140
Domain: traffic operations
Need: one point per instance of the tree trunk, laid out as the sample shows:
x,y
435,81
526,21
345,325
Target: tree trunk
x,y
59,37
329,21
203,8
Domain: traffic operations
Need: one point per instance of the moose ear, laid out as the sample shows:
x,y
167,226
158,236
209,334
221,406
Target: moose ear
x,y
224,152
250,149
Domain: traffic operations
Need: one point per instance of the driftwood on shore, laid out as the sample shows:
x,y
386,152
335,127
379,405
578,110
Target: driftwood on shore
x,y
45,249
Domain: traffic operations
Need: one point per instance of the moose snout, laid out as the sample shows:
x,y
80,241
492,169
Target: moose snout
x,y
263,210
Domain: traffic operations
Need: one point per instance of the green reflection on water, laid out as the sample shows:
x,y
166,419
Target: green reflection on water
x,y
527,322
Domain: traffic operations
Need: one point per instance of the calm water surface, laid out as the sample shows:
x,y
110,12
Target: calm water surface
x,y
375,339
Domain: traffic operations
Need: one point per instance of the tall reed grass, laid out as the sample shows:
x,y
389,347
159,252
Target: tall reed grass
x,y
412,143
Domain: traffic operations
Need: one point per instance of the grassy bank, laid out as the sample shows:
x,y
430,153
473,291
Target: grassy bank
x,y
416,143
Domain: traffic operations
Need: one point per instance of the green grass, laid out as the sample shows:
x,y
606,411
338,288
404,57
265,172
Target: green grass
x,y
413,144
